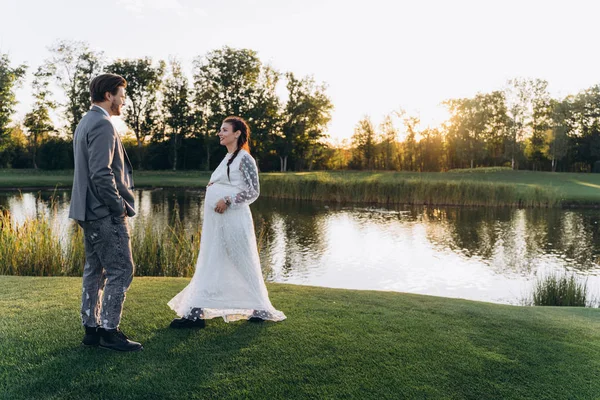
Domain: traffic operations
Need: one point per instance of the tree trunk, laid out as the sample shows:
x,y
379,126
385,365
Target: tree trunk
x,y
280,164
285,163
207,157
139,155
34,151
554,156
175,152
512,156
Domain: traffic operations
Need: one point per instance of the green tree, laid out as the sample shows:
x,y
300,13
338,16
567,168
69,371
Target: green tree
x,y
10,79
74,65
389,139
409,144
557,137
265,117
176,105
585,132
541,120
143,84
364,142
225,83
38,121
496,129
340,156
13,150
306,115
520,95
475,127
431,150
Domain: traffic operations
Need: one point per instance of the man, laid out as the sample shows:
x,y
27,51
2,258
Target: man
x,y
101,201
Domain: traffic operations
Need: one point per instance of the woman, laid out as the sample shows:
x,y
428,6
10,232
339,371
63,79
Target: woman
x,y
228,280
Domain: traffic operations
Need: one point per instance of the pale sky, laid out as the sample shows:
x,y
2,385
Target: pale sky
x,y
376,56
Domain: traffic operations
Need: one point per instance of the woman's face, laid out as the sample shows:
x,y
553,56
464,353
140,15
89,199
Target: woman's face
x,y
227,136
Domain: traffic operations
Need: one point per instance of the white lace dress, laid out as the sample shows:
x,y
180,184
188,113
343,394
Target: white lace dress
x,y
228,281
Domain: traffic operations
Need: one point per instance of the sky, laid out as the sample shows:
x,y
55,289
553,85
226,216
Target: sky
x,y
375,56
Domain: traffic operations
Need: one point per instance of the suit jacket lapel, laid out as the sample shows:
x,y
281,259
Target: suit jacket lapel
x,y
124,152
126,155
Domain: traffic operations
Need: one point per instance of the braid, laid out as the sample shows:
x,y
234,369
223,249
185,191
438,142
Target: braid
x,y
238,124
235,153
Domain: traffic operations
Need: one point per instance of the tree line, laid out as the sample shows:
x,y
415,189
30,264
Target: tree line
x,y
521,127
173,119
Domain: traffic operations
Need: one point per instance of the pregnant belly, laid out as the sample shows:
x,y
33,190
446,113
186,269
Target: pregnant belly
x,y
216,192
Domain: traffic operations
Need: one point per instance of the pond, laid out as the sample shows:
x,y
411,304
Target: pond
x,y
488,254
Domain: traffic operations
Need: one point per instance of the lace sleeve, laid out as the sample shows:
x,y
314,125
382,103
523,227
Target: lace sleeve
x,y
250,180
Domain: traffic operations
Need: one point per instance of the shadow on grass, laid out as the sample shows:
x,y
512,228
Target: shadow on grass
x,y
173,364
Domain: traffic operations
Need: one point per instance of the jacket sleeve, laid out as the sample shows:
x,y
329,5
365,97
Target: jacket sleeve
x,y
250,181
102,142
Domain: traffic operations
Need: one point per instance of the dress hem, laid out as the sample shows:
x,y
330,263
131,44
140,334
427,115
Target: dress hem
x,y
231,314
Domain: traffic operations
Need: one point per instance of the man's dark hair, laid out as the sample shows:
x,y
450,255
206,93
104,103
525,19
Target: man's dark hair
x,y
105,83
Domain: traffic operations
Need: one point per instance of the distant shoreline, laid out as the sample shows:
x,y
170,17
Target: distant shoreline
x,y
522,189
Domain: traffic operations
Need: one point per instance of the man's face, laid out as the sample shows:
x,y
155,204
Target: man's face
x,y
117,101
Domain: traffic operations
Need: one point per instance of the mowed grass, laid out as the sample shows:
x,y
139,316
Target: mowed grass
x,y
29,178
478,187
482,187
334,344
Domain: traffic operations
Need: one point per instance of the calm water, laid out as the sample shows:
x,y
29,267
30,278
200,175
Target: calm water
x,y
472,253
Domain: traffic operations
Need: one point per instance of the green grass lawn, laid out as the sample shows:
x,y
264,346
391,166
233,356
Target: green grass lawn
x,y
492,187
19,178
334,344
576,187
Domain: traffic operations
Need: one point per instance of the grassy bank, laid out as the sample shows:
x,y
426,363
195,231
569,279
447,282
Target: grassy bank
x,y
28,178
479,187
334,344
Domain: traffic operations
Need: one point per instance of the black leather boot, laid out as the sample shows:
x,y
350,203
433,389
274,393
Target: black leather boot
x,y
187,323
92,336
257,316
115,339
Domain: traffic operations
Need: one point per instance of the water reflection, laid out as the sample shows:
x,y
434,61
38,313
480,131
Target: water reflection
x,y
488,254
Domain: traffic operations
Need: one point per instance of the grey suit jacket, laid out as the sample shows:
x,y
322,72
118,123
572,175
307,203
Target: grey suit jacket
x,y
103,181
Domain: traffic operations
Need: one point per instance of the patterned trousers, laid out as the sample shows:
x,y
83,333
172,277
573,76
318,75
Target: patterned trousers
x,y
108,271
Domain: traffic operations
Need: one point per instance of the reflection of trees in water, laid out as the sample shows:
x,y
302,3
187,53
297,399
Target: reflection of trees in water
x,y
188,203
470,231
295,232
578,234
514,240
294,237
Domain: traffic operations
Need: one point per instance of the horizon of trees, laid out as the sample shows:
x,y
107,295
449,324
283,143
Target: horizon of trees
x,y
173,117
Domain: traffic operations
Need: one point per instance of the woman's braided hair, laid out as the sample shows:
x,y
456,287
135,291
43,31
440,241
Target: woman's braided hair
x,y
238,124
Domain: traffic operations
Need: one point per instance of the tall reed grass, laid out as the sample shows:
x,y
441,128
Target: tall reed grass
x,y
160,250
565,290
388,189
33,247
30,248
